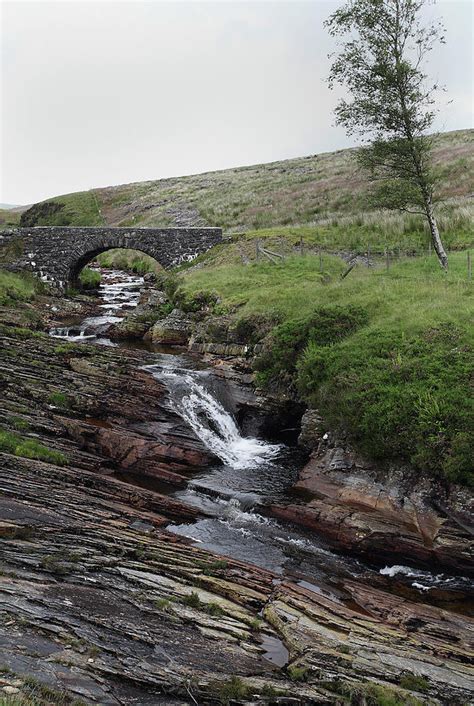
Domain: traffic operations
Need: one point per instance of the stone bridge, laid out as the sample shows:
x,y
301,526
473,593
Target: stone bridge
x,y
57,254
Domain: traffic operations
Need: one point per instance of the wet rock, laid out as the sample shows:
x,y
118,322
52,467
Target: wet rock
x,y
380,514
142,317
174,329
312,430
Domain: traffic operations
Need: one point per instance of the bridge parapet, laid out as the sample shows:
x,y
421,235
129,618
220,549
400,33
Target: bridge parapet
x,y
57,254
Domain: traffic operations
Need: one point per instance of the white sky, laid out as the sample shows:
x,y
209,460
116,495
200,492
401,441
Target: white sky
x,y
105,92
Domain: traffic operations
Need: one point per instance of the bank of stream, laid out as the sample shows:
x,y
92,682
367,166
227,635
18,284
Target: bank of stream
x,y
247,475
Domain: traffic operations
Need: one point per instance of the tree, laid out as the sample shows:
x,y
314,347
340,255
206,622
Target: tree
x,y
383,51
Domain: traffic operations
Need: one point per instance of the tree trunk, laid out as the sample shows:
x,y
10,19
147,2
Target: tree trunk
x,y
435,237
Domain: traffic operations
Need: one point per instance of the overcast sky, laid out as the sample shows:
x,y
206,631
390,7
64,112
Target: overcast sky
x,y
105,92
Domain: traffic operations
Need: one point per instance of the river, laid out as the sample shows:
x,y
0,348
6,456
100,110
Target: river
x,y
248,474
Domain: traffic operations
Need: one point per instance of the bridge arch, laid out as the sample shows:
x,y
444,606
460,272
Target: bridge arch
x,y
57,254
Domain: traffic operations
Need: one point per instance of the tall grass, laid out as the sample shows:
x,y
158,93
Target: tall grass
x,y
17,287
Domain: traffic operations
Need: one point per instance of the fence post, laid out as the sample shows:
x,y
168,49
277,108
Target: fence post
x,y
387,258
301,246
320,260
257,249
469,265
368,255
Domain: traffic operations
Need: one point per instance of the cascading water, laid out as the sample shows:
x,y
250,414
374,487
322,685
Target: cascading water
x,y
212,424
119,291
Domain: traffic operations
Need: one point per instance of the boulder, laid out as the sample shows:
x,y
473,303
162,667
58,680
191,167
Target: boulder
x,y
174,329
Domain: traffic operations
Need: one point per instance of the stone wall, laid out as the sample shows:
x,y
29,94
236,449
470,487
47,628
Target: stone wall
x,y
57,254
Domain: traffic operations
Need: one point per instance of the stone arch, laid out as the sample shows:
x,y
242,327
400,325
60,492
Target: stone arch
x,y
55,253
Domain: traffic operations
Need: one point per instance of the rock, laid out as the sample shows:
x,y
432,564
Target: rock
x,y
312,430
362,509
101,602
141,318
174,329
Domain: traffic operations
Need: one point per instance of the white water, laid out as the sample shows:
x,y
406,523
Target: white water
x,y
117,296
212,424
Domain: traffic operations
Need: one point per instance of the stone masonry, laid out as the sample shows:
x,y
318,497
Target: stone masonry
x,y
58,254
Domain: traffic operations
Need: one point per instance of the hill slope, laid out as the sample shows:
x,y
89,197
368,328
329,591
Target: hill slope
x,y
292,192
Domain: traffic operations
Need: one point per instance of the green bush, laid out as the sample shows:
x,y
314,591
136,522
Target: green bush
x,y
325,326
398,396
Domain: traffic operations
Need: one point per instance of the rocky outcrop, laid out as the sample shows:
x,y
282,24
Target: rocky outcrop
x,y
379,514
96,406
173,330
102,604
136,323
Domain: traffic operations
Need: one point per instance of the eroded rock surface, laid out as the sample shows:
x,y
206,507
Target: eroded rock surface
x,y
382,514
100,602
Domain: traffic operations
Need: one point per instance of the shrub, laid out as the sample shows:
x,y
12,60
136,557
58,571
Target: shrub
x,y
325,326
397,396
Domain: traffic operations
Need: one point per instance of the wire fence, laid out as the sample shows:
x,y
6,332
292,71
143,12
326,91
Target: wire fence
x,y
370,256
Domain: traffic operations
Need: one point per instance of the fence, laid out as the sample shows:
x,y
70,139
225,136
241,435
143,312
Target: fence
x,y
370,256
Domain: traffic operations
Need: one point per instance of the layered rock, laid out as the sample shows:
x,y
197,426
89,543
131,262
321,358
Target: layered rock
x,y
382,514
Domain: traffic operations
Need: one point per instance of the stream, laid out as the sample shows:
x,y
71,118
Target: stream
x,y
248,474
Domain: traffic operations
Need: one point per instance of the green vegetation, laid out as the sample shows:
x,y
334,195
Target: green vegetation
x,y
17,288
234,689
29,448
385,355
79,209
193,601
373,694
59,399
413,682
130,260
9,218
297,673
89,279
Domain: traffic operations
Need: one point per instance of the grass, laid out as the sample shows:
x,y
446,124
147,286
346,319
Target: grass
x,y
386,356
324,190
235,689
130,260
29,448
89,279
17,288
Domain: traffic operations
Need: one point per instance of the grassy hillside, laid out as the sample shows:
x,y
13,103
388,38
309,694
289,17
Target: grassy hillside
x,y
387,356
324,190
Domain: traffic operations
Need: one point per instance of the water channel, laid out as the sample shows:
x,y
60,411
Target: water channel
x,y
248,474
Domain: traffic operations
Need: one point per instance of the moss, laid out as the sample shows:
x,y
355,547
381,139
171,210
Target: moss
x,y
234,689
59,399
30,448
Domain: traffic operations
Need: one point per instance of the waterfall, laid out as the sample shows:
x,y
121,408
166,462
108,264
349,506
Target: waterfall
x,y
211,423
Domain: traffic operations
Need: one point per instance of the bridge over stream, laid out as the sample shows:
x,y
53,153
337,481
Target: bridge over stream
x,y
57,254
